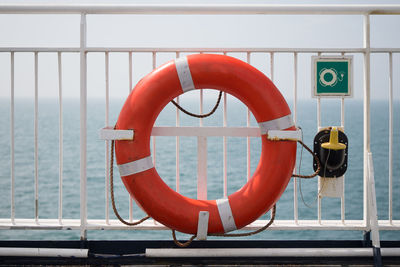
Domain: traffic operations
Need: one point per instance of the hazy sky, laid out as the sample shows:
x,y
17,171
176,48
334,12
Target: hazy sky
x,y
188,31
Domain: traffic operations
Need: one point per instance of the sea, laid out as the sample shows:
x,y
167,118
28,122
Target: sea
x,y
48,165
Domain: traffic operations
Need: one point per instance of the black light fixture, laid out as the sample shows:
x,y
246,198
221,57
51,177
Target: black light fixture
x,y
331,148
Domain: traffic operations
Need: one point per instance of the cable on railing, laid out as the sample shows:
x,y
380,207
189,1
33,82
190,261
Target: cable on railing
x,y
316,160
318,169
308,176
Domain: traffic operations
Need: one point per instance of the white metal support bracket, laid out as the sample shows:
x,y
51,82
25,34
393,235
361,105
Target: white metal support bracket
x,y
109,133
373,212
372,203
202,227
331,187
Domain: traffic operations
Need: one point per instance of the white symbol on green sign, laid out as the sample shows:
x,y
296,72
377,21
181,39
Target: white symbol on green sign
x,y
329,77
332,76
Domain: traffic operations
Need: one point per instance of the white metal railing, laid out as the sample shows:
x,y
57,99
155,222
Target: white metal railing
x,y
195,9
84,224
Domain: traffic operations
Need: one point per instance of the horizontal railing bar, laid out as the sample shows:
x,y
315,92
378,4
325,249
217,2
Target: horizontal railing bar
x,y
229,49
196,50
206,131
101,224
384,50
39,49
200,9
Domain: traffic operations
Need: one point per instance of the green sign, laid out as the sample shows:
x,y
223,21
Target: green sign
x,y
332,76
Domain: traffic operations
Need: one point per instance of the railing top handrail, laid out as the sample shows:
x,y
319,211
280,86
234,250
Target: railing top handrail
x,y
134,49
192,9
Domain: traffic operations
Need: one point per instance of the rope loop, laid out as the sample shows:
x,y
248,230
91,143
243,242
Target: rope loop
x,y
187,243
271,221
199,115
180,244
112,192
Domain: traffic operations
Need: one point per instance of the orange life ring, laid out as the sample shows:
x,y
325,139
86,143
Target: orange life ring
x,y
154,92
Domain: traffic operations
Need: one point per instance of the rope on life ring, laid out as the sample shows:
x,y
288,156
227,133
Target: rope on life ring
x,y
112,192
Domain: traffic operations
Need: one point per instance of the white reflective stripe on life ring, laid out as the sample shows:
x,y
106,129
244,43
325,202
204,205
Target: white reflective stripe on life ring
x,y
136,166
276,135
277,124
225,213
185,77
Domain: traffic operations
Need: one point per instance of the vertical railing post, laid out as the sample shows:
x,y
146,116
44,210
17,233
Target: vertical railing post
x,y
248,60
367,101
83,126
177,142
12,140
342,122
390,138
319,202
225,147
272,66
342,199
130,72
130,90
107,148
272,69
60,140
201,156
35,138
154,64
202,167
